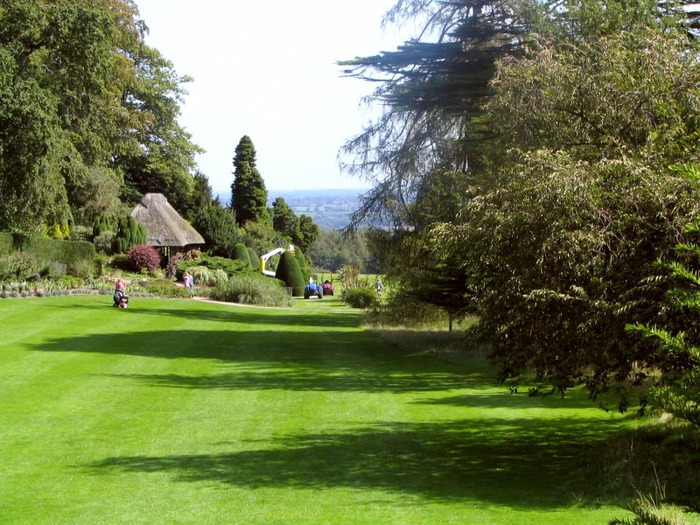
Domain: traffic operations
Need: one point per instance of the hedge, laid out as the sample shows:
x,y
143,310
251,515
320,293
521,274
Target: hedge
x,y
49,250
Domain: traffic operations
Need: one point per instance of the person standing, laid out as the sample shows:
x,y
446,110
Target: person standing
x,y
188,279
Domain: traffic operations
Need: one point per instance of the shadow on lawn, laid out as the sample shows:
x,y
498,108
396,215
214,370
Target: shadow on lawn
x,y
213,312
518,463
267,359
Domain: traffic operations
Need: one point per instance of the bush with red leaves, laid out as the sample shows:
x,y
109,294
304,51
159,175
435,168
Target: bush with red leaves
x,y
142,256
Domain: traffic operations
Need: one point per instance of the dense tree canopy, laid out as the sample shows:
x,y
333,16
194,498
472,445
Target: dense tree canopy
x,y
591,113
85,106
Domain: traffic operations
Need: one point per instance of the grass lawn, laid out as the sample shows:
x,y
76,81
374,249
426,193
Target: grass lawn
x,y
184,411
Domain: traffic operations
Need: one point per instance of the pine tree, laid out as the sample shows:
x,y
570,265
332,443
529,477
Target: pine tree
x,y
249,195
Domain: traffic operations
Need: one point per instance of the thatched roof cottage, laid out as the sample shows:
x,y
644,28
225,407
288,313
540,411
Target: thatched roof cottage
x,y
166,228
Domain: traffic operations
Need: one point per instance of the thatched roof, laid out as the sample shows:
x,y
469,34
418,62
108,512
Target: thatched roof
x,y
164,225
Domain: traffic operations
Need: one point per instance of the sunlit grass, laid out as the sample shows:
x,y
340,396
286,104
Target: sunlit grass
x,y
184,411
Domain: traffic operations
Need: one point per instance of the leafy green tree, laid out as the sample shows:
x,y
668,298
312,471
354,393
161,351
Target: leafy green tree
x,y
284,220
306,232
249,196
332,250
581,203
218,227
83,102
262,238
675,333
588,109
432,90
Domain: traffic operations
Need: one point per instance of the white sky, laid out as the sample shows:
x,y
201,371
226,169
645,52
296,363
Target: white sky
x,y
267,69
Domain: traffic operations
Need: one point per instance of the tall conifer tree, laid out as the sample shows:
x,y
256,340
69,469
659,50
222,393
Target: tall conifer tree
x,y
249,195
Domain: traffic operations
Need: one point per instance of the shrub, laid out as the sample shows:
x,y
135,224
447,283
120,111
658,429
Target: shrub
x,y
252,289
649,512
142,257
288,272
18,266
172,266
81,234
229,266
402,308
207,277
359,297
164,288
303,263
85,269
240,253
129,233
103,242
254,259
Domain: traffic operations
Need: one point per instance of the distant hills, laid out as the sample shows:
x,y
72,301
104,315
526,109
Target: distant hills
x,y
329,209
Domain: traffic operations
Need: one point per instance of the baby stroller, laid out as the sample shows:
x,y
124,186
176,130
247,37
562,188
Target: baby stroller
x,y
121,300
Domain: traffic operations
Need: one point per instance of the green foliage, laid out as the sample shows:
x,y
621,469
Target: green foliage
x,y
101,226
229,266
84,269
288,272
65,252
218,227
163,288
333,249
83,103
263,238
254,259
58,231
6,243
143,257
306,232
252,289
674,332
240,253
284,220
359,297
649,512
129,233
249,195
303,263
18,266
204,276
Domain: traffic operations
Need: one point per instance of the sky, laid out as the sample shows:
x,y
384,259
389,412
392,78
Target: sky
x,y
267,69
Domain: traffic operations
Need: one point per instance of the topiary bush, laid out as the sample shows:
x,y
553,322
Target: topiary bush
x,y
288,272
303,263
142,257
254,259
240,253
